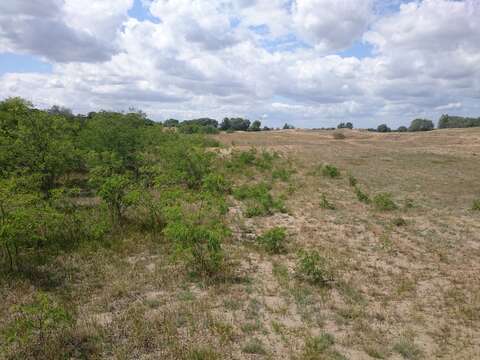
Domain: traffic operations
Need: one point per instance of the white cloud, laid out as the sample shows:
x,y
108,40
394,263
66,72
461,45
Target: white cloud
x,y
233,58
332,24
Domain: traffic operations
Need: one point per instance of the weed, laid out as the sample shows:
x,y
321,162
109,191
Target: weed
x,y
476,205
320,347
254,346
362,196
273,241
259,200
384,202
325,204
314,268
352,180
407,348
399,221
330,171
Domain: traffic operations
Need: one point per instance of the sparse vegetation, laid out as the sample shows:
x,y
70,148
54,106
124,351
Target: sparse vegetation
x,y
173,240
384,202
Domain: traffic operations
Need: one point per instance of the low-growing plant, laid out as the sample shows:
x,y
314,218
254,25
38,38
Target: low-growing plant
x,y
339,135
399,221
352,180
273,240
38,328
216,183
330,171
200,246
384,202
314,268
407,348
254,346
476,205
362,196
259,200
325,204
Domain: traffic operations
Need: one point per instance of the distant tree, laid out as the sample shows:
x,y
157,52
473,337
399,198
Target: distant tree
x,y
347,125
288,127
255,126
235,124
383,128
402,129
421,125
61,111
171,123
225,124
201,122
447,121
266,128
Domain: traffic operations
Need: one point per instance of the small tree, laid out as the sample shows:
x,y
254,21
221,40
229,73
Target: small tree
x,y
118,194
402,129
383,128
255,126
421,125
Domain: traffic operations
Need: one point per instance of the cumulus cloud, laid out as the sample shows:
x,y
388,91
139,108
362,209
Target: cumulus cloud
x,y
62,31
251,58
332,24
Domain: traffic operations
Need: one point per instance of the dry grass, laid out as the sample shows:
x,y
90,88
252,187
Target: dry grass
x,y
399,291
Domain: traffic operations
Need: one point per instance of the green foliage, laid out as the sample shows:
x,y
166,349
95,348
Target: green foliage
x,y
118,193
399,221
255,126
362,196
314,268
315,346
37,328
421,125
476,205
235,124
330,171
273,241
325,204
352,180
384,201
383,128
200,246
254,346
259,200
407,348
216,183
447,122
402,129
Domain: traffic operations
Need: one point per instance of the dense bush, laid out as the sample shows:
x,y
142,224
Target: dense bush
x,y
421,125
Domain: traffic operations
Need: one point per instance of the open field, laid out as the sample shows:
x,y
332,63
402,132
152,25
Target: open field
x,y
398,281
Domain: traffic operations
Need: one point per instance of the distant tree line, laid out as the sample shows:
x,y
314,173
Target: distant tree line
x,y
448,122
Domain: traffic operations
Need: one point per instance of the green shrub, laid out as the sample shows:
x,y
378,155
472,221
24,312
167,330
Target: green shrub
x,y
325,204
282,174
330,171
476,205
273,240
118,193
313,268
216,183
259,200
39,329
362,196
384,202
200,246
254,346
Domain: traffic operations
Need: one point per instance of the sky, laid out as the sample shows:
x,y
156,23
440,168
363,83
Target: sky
x,y
311,63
